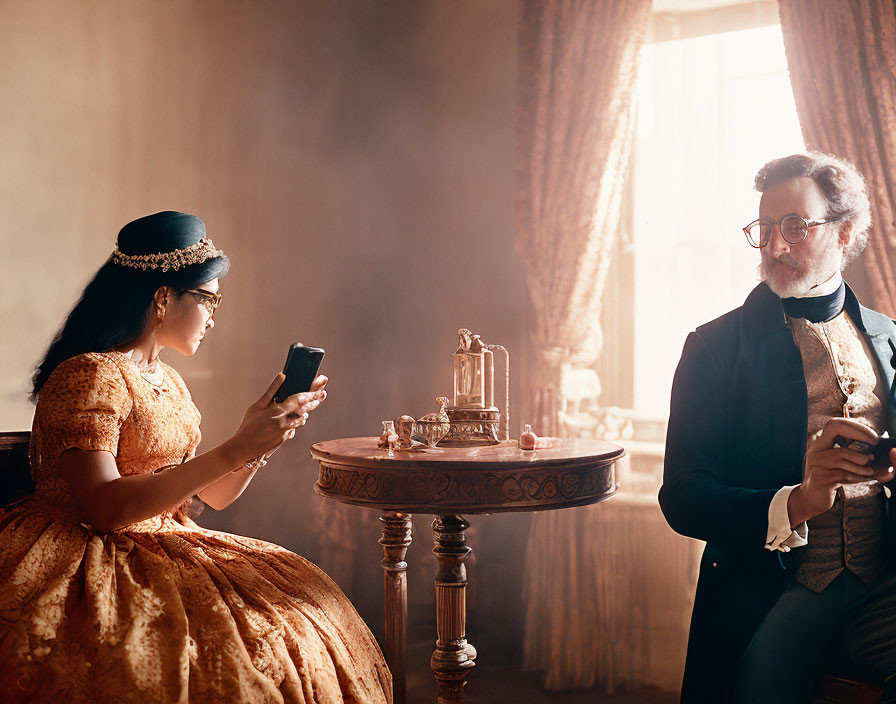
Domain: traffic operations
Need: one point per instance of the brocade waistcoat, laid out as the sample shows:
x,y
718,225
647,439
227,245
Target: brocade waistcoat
x,y
841,382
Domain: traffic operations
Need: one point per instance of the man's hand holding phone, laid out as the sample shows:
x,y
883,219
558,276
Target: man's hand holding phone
x,y
829,465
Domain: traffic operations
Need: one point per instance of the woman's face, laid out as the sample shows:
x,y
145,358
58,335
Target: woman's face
x,y
187,318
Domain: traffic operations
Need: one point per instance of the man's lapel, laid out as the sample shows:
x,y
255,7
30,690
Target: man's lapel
x,y
779,364
881,335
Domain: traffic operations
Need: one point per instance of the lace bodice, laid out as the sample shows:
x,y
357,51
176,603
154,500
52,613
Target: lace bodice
x,y
100,401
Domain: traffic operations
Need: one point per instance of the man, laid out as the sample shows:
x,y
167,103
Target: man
x,y
797,577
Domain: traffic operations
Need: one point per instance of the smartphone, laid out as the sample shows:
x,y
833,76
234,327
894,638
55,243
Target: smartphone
x,y
880,452
301,368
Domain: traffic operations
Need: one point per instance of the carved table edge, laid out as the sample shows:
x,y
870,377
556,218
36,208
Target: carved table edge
x,y
462,509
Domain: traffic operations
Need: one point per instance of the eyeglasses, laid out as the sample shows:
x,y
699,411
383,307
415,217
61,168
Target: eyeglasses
x,y
794,229
210,300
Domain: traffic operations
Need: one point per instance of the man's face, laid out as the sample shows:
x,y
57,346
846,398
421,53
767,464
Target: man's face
x,y
795,269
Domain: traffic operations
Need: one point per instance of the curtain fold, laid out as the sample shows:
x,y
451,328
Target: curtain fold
x,y
842,61
578,61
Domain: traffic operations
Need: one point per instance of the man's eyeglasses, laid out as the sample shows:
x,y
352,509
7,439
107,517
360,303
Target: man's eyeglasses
x,y
210,300
794,229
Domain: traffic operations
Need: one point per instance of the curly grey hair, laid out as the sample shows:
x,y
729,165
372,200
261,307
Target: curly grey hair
x,y
840,182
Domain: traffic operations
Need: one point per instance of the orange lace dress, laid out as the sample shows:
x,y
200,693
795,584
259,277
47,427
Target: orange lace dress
x,y
162,610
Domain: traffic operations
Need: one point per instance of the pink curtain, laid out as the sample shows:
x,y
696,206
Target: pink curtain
x,y
578,61
577,65
842,60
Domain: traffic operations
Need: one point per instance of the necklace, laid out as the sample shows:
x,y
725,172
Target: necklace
x,y
151,372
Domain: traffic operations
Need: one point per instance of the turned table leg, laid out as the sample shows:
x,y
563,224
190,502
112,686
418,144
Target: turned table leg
x,y
395,541
453,657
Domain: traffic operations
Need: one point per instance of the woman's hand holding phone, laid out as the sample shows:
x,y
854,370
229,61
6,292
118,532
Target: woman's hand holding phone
x,y
266,424
319,395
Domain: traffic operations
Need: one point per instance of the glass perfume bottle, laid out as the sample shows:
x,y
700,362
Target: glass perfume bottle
x,y
389,438
528,438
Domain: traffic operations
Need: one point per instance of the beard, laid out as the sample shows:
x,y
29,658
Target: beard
x,y
788,277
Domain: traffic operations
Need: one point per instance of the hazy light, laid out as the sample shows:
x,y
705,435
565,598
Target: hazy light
x,y
712,110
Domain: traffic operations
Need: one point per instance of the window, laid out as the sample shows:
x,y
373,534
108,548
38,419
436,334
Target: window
x,y
711,111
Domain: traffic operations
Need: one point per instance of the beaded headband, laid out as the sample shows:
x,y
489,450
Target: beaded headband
x,y
197,253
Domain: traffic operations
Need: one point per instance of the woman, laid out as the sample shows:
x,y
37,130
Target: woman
x,y
108,591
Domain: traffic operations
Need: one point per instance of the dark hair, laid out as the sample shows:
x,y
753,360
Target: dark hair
x,y
115,308
841,184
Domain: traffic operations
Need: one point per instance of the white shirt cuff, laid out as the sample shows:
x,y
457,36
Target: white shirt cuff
x,y
780,536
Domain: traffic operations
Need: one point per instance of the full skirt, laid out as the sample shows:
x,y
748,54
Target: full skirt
x,y
166,611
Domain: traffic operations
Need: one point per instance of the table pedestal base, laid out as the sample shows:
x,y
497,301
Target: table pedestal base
x,y
395,541
453,657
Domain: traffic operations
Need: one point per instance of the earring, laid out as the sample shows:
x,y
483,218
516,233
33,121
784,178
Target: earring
x,y
160,311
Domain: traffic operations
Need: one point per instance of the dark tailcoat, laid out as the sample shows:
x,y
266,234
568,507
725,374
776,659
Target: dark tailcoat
x,y
737,434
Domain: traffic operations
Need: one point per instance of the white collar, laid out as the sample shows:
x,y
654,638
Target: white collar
x,y
825,288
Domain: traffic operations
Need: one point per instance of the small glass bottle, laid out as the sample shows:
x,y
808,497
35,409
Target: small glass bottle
x,y
528,438
389,438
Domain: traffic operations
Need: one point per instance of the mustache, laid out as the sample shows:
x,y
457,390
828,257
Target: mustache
x,y
787,260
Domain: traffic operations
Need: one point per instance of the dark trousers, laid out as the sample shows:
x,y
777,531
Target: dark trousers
x,y
848,630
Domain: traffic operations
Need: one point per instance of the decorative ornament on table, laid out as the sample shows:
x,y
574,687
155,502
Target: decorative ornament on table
x,y
528,439
389,438
432,427
405,426
474,417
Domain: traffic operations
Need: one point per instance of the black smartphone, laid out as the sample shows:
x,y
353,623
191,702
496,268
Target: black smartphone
x,y
880,452
301,368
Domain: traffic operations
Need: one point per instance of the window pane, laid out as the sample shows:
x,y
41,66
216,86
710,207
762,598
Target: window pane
x,y
712,110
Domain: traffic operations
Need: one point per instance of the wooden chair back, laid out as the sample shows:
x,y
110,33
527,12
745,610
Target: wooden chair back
x,y
15,477
834,690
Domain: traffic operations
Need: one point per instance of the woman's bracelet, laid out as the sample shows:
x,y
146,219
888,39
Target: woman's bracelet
x,y
163,468
257,463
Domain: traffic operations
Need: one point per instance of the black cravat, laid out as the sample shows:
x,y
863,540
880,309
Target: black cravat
x,y
817,309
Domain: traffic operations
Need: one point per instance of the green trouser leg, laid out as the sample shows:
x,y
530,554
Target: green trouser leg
x,y
851,625
790,648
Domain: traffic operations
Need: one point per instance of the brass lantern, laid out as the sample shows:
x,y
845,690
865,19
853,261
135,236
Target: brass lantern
x,y
474,417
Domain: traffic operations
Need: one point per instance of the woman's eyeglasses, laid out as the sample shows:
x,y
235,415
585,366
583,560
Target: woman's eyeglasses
x,y
794,229
210,300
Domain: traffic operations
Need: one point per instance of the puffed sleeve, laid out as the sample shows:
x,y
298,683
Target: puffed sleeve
x,y
83,404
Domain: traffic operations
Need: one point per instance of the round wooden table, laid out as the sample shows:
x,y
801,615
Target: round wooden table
x,y
449,482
